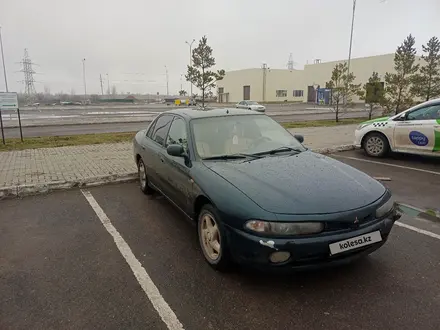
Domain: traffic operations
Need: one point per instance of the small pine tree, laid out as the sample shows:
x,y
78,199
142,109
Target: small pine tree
x,y
398,93
199,73
342,88
373,92
426,83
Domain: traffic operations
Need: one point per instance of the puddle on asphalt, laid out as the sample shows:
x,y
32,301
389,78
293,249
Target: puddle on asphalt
x,y
416,213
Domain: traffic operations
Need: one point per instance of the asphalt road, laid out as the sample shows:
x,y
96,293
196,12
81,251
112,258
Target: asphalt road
x,y
64,127
60,268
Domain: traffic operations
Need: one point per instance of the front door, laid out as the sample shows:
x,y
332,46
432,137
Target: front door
x,y
178,184
417,132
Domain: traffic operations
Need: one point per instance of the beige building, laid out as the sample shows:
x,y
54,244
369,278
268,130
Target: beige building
x,y
279,85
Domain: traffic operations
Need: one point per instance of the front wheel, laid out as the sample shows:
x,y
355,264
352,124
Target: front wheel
x,y
212,238
376,145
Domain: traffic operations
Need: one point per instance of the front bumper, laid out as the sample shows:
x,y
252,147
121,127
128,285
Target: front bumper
x,y
306,253
358,135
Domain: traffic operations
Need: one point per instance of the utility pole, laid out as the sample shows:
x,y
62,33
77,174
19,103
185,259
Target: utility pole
x,y
3,60
28,71
181,87
84,78
264,81
190,60
166,73
100,80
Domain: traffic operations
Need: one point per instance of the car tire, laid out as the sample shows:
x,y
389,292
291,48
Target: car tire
x,y
212,238
143,180
376,145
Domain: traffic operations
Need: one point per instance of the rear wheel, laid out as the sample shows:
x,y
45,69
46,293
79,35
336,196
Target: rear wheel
x,y
143,180
212,238
376,145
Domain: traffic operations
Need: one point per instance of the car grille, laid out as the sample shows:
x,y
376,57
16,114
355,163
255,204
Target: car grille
x,y
348,224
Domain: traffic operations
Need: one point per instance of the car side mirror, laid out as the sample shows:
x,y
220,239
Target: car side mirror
x,y
300,138
402,117
175,150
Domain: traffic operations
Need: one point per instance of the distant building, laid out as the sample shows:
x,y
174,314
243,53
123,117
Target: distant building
x,y
282,85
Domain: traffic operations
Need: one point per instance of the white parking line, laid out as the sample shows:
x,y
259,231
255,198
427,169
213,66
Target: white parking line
x,y
165,312
387,164
418,230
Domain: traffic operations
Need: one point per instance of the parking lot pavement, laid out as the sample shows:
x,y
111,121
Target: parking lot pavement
x,y
414,179
64,267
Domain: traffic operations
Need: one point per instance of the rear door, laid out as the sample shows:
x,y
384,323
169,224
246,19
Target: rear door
x,y
419,132
154,149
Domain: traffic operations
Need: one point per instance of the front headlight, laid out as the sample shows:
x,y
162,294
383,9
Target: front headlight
x,y
284,228
361,126
385,208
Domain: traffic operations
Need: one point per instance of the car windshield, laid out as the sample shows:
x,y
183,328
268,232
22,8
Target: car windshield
x,y
241,134
252,103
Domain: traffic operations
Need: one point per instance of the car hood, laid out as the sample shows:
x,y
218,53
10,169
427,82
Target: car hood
x,y
305,183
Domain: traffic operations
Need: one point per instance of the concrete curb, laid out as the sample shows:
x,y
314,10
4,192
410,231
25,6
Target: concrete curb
x,y
44,188
344,147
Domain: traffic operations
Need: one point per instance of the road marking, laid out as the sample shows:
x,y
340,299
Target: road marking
x,y
160,305
387,164
418,230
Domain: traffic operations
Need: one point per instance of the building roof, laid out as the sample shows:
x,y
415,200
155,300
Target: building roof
x,y
192,113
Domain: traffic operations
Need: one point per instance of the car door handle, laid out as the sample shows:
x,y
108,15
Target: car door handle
x,y
161,159
143,147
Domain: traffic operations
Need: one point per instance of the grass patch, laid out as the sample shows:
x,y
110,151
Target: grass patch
x,y
62,141
323,123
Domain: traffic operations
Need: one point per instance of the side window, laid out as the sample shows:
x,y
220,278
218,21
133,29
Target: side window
x,y
242,103
161,129
426,113
178,134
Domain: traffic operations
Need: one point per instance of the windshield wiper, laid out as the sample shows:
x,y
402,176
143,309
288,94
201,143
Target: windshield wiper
x,y
280,149
233,156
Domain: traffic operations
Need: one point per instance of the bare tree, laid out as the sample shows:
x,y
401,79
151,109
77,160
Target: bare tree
x,y
342,88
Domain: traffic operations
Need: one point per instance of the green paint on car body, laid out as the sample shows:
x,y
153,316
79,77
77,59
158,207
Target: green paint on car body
x,y
376,120
436,141
438,121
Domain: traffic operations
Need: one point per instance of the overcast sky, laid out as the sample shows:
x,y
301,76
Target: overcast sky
x,y
132,40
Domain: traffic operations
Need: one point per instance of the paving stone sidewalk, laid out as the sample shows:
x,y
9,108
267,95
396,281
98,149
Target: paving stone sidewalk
x,y
40,170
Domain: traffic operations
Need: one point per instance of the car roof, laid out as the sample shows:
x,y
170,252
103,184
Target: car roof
x,y
192,113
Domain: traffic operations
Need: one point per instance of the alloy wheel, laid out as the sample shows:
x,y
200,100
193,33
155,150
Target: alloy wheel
x,y
142,174
211,241
375,145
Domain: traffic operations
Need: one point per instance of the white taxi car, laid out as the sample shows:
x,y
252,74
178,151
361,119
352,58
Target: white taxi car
x,y
415,131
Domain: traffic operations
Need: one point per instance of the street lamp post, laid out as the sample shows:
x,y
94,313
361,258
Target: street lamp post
x,y
166,74
351,37
190,59
84,80
3,60
108,86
